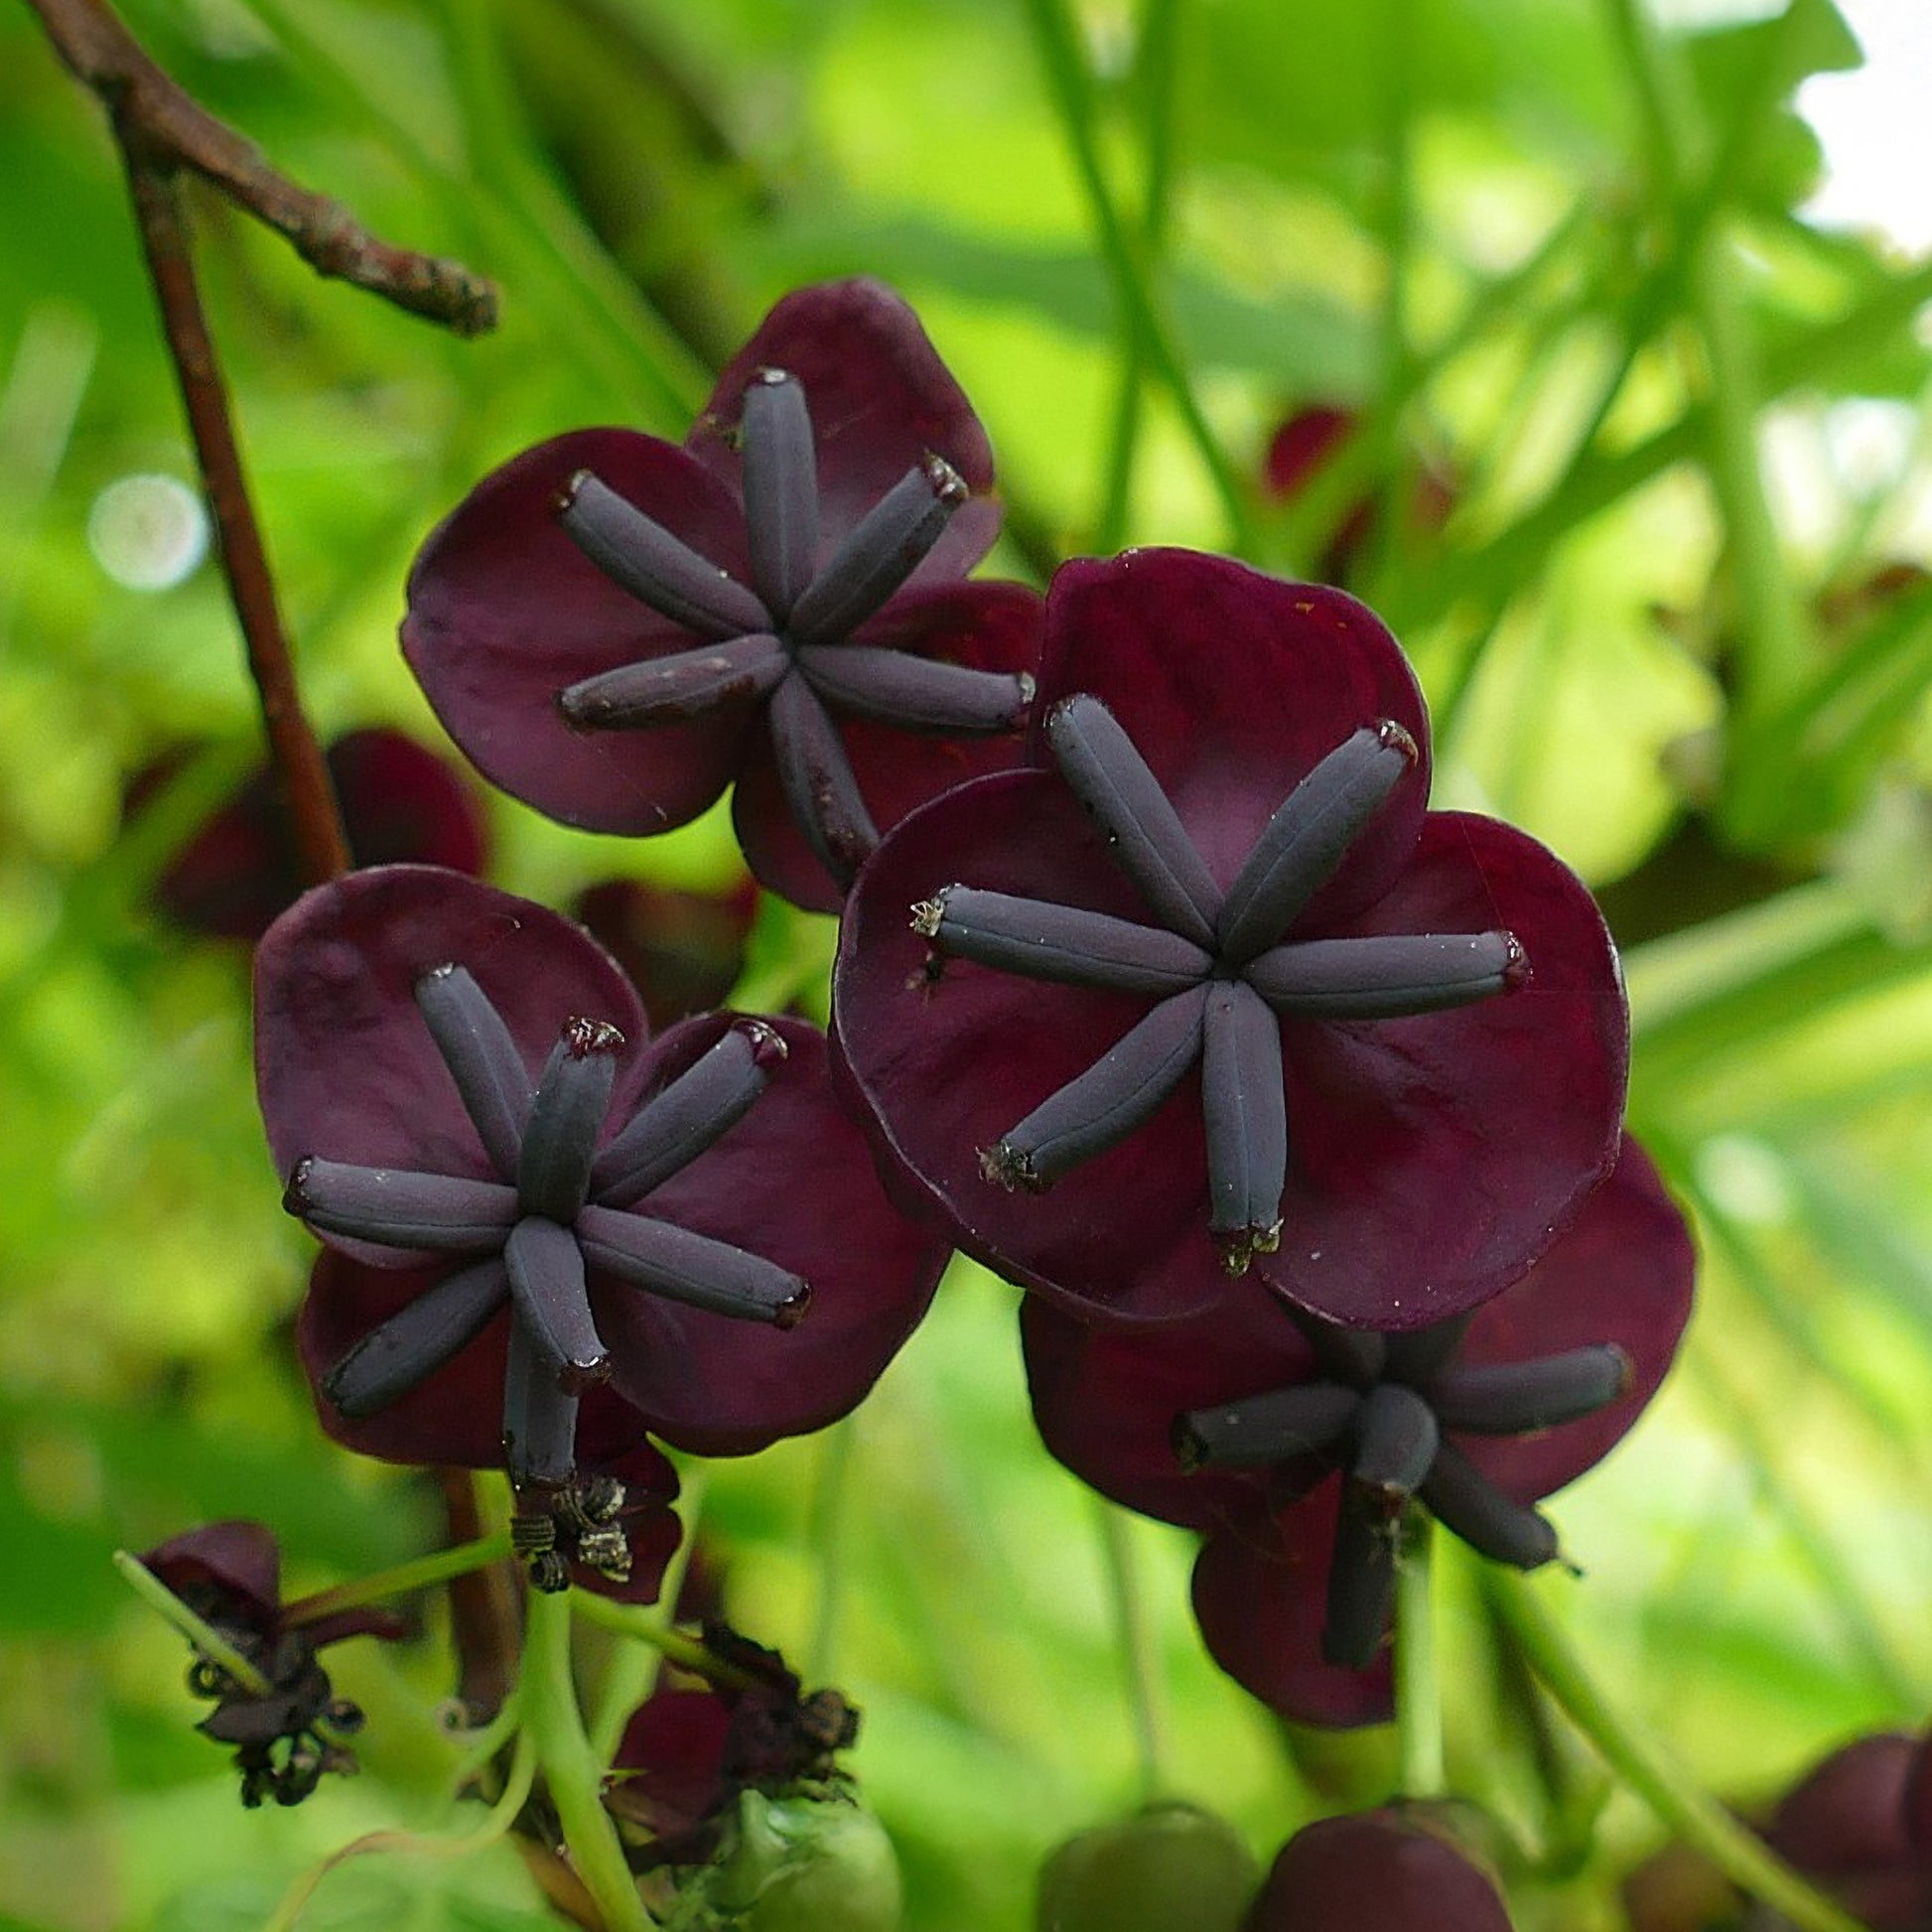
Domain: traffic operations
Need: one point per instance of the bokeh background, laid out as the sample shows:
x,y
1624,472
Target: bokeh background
x,y
1641,417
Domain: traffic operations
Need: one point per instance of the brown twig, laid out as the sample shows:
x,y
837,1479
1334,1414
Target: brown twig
x,y
322,848
170,130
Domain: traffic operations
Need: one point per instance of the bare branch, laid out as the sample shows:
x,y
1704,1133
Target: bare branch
x,y
169,129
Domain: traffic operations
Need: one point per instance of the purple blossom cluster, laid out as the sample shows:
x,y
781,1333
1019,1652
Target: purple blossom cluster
x,y
1293,1106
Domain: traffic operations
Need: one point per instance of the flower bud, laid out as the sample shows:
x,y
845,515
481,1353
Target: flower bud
x,y
1169,1868
802,1864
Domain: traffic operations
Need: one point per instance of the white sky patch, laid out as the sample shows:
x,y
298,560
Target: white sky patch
x,y
148,532
1874,127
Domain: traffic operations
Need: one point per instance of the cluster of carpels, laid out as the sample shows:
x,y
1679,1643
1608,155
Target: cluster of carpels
x,y
1293,1106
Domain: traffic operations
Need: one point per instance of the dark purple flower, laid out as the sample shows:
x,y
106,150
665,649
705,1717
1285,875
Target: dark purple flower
x,y
528,1199
1207,967
1232,1423
614,627
229,1574
400,803
687,1754
682,952
1397,1870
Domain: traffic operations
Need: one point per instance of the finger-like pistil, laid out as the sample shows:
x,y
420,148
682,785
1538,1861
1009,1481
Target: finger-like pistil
x,y
553,1173
1515,1398
780,489
1260,1428
490,1077
1303,844
1385,979
878,554
671,690
689,1266
699,1107
824,797
1120,1092
436,1212
1065,943
540,1418
919,693
1244,1104
662,569
1143,832
1467,1503
552,1302
1396,1444
1361,1580
415,1342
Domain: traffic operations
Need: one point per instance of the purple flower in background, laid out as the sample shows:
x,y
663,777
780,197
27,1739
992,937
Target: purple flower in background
x,y
1232,1424
1207,968
615,628
528,1199
229,1574
401,804
683,951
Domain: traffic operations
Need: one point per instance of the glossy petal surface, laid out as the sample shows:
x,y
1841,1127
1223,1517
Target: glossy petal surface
x,y
504,611
1261,1598
1431,1156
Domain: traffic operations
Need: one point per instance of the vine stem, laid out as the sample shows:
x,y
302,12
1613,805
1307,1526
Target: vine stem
x,y
436,1568
675,1647
1697,1818
572,1772
321,848
1139,1662
1418,1684
1071,87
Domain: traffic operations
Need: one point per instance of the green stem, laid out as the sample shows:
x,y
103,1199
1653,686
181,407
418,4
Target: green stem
x,y
572,1775
1071,85
436,1568
1662,1784
1155,66
827,1538
1418,1685
675,1647
635,1668
1139,1658
202,1635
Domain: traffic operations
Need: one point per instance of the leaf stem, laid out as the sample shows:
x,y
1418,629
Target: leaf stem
x,y
438,1566
1418,1685
1139,1657
1699,1819
572,1773
1070,84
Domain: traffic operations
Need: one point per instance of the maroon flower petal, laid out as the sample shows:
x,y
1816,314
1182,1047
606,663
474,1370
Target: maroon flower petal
x,y
1233,687
990,627
1261,1601
791,1181
1429,1158
504,611
234,1563
345,1067
944,1066
1105,1401
1847,1816
670,1767
880,402
1620,1273
682,952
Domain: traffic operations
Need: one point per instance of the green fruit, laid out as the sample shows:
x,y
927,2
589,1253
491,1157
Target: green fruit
x,y
1169,1868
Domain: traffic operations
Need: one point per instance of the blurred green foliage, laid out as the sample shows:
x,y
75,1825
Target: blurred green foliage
x,y
1675,622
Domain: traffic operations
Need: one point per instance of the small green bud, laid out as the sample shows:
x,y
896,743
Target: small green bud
x,y
797,1864
1169,1868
